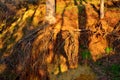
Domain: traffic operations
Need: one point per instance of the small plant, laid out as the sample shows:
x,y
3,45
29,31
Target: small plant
x,y
86,54
108,50
81,8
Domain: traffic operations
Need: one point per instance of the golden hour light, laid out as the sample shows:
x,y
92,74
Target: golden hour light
x,y
59,39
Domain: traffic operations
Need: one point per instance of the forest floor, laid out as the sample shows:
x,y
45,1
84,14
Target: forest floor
x,y
99,40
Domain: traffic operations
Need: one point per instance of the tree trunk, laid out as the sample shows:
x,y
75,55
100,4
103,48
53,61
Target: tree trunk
x,y
50,11
101,9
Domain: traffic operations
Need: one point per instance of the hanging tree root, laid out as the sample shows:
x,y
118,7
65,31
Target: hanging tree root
x,y
23,60
30,54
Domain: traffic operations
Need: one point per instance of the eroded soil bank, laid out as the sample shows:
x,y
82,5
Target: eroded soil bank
x,y
79,46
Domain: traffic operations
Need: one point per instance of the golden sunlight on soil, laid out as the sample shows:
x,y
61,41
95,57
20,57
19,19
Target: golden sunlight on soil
x,y
2,68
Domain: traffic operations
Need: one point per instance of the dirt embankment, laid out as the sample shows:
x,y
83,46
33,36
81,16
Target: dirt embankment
x,y
54,49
